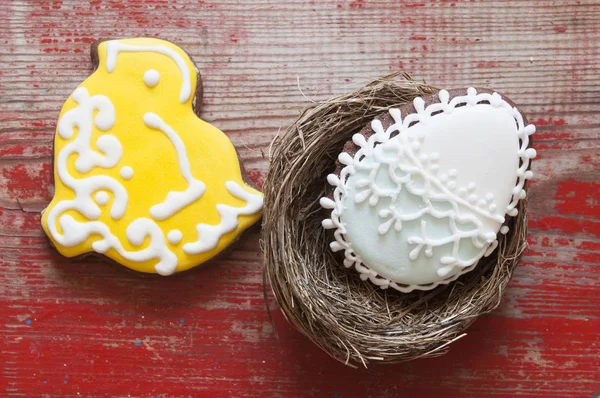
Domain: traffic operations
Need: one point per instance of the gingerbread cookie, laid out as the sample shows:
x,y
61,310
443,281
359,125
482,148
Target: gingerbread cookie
x,y
139,177
420,195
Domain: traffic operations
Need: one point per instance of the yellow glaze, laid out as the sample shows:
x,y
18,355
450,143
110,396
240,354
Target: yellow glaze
x,y
153,158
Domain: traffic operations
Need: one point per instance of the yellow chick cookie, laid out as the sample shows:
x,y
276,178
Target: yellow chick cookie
x,y
139,177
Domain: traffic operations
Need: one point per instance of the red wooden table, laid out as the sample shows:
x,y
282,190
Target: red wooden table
x,y
87,328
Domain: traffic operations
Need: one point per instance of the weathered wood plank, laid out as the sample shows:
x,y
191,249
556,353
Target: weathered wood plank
x,y
89,328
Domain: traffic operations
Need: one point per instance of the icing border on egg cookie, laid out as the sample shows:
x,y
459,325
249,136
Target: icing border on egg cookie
x,y
422,114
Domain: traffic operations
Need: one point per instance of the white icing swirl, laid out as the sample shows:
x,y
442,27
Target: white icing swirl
x,y
80,119
175,201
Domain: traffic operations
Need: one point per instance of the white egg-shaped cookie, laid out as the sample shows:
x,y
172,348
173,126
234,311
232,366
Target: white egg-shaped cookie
x,y
422,193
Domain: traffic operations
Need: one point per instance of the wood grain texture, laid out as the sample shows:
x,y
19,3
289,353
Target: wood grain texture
x,y
87,328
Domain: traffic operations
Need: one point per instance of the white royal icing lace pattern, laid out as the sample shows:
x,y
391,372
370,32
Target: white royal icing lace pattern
x,y
81,119
463,207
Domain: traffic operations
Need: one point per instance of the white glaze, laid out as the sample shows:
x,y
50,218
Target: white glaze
x,y
175,201
126,172
174,236
113,48
419,209
80,119
209,235
151,77
97,194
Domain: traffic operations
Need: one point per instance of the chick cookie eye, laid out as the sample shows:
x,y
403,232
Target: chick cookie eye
x,y
151,77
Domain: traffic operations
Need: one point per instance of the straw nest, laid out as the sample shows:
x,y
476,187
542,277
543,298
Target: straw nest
x,y
352,320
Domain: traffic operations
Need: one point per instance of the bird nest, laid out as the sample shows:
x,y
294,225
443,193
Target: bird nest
x,y
352,320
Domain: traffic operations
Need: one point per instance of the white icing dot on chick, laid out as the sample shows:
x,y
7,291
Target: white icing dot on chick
x,y
151,77
101,197
126,172
174,236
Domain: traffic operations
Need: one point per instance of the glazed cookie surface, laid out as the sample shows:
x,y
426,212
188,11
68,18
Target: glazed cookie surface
x,y
420,195
139,177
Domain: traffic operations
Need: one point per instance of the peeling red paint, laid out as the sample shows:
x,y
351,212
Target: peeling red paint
x,y
588,245
357,4
560,29
56,50
256,177
18,222
26,181
578,197
42,123
542,136
550,121
591,258
6,150
567,225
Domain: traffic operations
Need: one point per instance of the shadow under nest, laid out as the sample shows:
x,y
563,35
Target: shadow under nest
x,y
352,320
